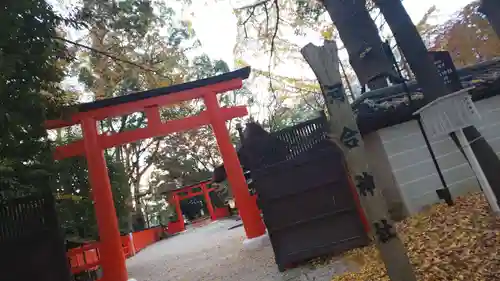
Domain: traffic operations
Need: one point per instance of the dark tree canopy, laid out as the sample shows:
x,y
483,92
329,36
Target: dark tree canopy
x,y
32,64
29,73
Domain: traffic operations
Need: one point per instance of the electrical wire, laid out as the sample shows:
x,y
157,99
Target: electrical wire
x,y
114,57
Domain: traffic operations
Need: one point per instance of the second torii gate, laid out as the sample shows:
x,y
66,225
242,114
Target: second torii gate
x,y
202,188
93,144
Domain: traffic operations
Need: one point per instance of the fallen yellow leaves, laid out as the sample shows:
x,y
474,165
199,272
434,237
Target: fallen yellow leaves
x,y
444,243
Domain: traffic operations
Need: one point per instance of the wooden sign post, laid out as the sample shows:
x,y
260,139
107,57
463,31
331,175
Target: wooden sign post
x,y
343,127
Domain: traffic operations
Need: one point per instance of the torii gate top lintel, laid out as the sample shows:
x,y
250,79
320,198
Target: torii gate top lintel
x,y
134,102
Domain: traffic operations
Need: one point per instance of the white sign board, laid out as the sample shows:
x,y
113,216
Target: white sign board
x,y
448,114
452,113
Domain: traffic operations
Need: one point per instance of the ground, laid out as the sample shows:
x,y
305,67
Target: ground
x,y
459,242
214,253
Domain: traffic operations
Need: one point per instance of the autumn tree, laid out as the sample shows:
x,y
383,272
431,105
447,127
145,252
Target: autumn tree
x,y
186,158
189,157
276,45
130,46
468,37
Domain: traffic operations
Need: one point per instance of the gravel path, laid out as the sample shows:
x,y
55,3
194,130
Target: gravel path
x,y
214,253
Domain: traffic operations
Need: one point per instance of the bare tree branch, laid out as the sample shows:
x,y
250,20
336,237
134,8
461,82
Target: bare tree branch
x,y
153,155
276,26
147,146
114,57
252,13
254,5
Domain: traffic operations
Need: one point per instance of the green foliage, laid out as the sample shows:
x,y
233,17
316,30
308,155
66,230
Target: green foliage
x,y
140,31
186,158
77,216
29,73
129,16
121,191
148,34
189,157
286,117
203,67
32,65
309,11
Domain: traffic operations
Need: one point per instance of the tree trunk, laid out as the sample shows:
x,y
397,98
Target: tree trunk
x,y
355,32
146,215
325,64
491,9
138,202
364,46
124,155
433,86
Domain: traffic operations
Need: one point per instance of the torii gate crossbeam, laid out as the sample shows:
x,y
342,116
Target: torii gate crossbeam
x,y
93,144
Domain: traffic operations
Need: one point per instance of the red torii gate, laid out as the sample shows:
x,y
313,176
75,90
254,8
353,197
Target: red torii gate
x,y
93,144
187,192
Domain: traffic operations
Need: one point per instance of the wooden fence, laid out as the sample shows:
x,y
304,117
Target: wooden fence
x,y
86,257
31,245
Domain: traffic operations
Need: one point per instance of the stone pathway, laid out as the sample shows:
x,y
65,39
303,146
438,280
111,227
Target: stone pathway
x,y
214,253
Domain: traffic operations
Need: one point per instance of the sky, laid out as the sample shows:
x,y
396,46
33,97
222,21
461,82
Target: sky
x,y
216,25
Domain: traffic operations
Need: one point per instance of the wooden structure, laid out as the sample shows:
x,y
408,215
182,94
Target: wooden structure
x,y
389,106
150,103
31,244
324,62
85,260
309,205
202,188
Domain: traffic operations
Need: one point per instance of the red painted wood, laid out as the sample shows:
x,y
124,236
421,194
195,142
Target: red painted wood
x,y
138,106
208,201
250,214
178,210
153,115
109,141
189,187
189,195
86,257
204,191
111,253
220,213
112,258
359,208
175,227
144,238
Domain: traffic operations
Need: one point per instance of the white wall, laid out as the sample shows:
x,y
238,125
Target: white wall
x,y
412,165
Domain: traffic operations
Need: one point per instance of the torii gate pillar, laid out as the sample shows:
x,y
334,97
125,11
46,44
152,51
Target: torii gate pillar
x,y
110,248
249,211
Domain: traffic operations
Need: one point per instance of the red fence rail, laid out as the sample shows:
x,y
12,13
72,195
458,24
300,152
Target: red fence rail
x,y
142,239
86,257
